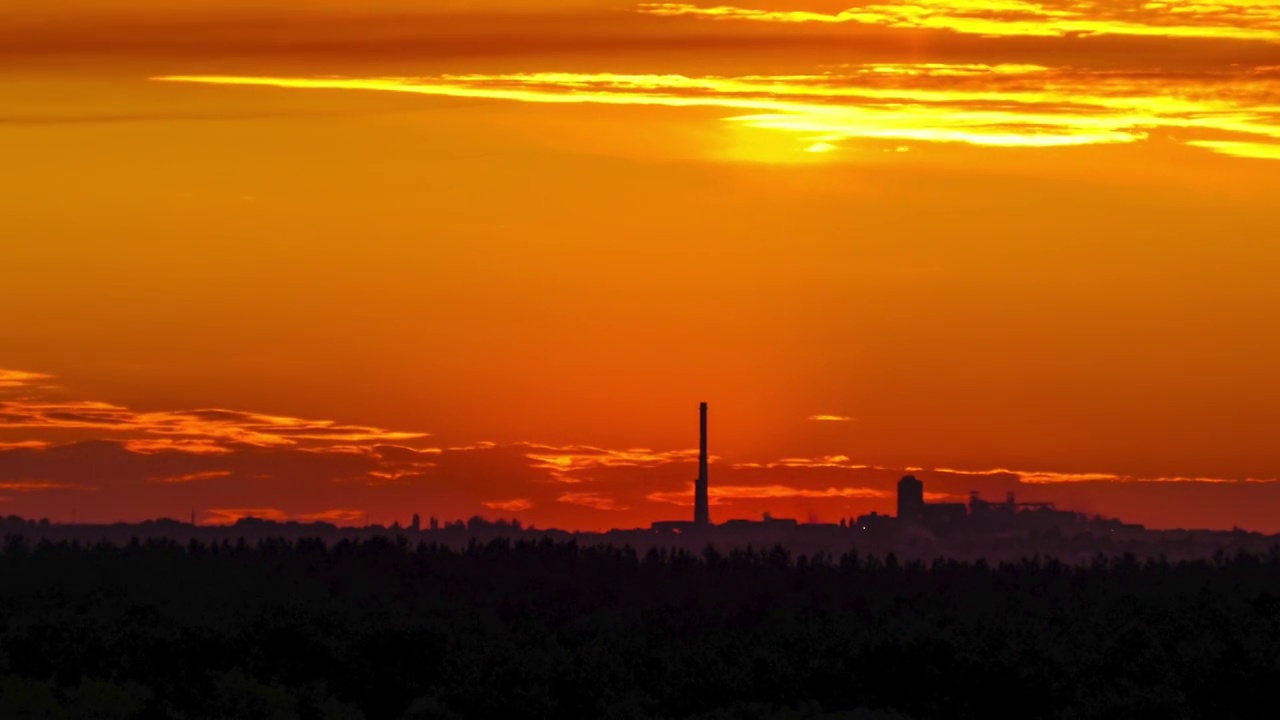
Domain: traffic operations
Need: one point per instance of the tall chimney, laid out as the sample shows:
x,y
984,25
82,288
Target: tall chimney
x,y
701,511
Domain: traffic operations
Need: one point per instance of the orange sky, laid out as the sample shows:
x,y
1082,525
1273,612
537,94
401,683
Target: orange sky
x,y
486,258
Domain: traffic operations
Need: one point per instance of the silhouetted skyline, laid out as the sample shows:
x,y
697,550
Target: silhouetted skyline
x,y
105,461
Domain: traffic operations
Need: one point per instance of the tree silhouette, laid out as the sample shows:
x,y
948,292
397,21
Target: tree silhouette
x,y
387,629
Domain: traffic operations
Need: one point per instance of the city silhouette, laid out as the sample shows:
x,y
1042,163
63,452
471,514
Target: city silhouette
x,y
1006,530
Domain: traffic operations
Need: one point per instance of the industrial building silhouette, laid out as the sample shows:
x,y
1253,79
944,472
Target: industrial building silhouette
x,y
701,491
701,500
912,510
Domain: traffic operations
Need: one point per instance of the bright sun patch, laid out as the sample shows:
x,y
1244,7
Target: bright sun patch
x,y
1016,106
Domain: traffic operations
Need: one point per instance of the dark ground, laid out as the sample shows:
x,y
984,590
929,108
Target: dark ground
x,y
382,628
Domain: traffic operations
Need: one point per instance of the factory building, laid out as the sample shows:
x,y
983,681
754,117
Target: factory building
x,y
976,514
911,505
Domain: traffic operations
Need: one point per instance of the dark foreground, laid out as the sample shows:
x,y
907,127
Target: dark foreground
x,y
382,629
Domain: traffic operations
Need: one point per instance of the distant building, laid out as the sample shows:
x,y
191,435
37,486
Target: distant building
x,y
910,498
937,514
976,515
676,526
772,521
874,521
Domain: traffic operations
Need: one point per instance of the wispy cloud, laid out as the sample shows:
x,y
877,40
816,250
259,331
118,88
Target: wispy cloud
x,y
208,431
229,516
26,486
568,463
26,445
1027,106
718,494
19,378
194,477
150,446
1242,20
831,418
336,516
513,505
1028,477
594,500
821,461
1258,151
396,473
1043,477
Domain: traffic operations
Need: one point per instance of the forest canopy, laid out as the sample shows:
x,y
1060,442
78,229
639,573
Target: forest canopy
x,y
541,629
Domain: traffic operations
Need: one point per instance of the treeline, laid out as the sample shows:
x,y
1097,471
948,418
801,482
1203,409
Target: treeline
x,y
383,629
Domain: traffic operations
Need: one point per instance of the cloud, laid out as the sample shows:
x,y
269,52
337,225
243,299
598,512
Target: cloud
x,y
830,418
26,486
1259,21
26,445
1043,477
1258,151
718,494
397,452
337,516
822,461
473,27
201,431
229,516
1230,111
513,505
194,477
19,379
592,500
149,446
388,473
566,464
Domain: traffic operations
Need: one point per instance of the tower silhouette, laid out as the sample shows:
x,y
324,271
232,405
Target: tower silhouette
x,y
910,498
701,510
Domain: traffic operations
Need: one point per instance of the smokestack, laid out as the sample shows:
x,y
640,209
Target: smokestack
x,y
701,511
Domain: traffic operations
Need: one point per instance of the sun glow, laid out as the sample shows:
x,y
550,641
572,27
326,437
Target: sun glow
x,y
1017,106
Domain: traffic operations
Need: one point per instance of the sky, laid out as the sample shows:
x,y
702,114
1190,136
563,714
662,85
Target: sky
x,y
349,262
